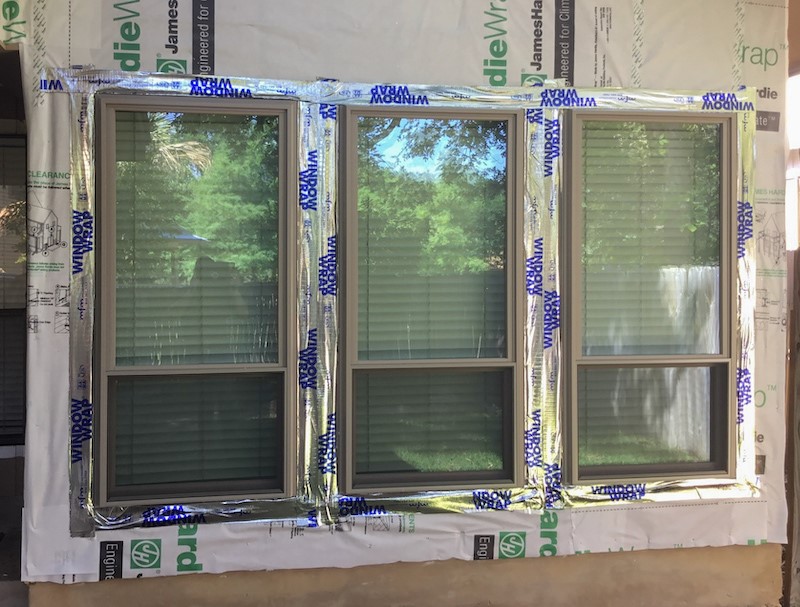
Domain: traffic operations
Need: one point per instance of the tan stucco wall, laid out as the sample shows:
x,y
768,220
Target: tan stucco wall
x,y
732,576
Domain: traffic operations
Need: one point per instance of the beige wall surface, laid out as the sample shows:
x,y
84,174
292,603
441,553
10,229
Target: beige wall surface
x,y
732,576
794,37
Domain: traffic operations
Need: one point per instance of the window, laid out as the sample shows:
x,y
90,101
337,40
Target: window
x,y
194,373
14,247
432,357
650,277
199,299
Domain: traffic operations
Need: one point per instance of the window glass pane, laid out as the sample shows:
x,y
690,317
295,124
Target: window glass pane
x,y
13,232
432,238
197,428
647,415
15,241
197,238
430,421
651,238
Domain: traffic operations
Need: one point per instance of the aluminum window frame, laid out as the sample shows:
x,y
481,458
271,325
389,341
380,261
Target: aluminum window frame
x,y
722,430
105,366
512,476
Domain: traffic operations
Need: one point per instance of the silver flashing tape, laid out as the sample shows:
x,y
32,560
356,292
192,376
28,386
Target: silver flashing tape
x,y
318,498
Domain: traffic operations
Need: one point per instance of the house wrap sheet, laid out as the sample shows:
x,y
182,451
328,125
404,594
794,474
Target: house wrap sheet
x,y
716,46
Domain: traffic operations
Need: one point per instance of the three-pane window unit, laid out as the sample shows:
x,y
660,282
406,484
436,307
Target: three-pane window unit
x,y
197,302
650,272
432,374
194,289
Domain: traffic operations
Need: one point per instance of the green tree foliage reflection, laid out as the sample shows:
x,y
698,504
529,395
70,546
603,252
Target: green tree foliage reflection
x,y
432,210
196,185
234,202
651,190
196,238
433,193
13,227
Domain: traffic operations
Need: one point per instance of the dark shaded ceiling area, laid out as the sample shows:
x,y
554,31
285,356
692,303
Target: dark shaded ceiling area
x,y
11,103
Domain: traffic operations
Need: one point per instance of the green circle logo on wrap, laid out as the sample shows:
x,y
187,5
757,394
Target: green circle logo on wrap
x,y
512,545
145,554
532,79
171,66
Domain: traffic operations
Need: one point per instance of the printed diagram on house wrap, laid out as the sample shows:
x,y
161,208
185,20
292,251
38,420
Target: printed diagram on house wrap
x,y
61,322
291,529
771,236
36,324
392,523
44,228
771,309
56,298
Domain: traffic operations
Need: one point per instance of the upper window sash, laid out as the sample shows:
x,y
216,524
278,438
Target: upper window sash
x,y
427,241
653,225
114,107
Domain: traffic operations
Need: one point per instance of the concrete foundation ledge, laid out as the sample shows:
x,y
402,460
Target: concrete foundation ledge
x,y
734,576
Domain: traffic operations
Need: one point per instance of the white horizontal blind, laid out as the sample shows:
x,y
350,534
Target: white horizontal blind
x,y
431,220
650,286
428,421
194,429
196,283
647,415
196,232
651,238
432,285
13,290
